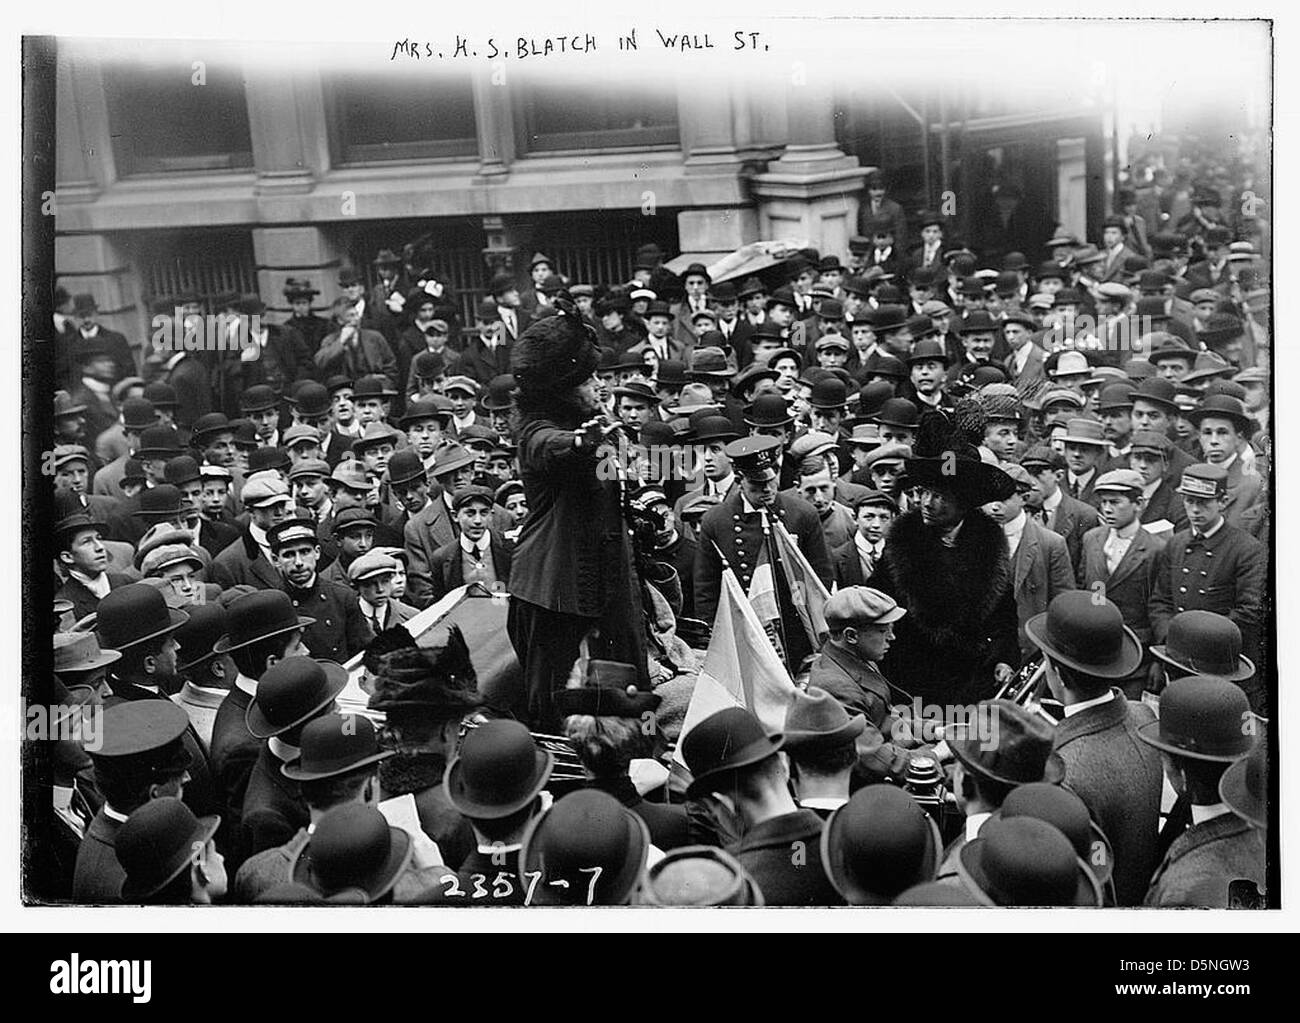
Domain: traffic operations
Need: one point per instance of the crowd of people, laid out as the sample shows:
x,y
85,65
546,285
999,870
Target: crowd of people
x,y
1032,484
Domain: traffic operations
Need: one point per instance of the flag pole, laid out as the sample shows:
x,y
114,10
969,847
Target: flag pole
x,y
773,560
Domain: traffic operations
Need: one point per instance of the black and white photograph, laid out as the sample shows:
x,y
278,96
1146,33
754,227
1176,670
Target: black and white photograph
x,y
623,462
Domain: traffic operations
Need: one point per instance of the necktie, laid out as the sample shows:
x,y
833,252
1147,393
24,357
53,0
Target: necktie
x,y
375,626
1074,488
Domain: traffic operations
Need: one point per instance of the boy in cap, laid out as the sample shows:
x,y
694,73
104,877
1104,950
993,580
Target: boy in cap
x,y
854,561
1218,862
1212,565
79,546
1119,557
249,561
1224,430
1089,652
371,575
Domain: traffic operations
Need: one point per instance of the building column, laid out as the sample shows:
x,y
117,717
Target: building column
x,y
495,123
305,252
285,153
712,125
812,191
84,164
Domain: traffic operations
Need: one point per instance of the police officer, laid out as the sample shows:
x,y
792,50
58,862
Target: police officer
x,y
339,630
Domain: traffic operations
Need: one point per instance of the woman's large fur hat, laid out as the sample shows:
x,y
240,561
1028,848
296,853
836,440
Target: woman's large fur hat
x,y
437,680
947,457
556,353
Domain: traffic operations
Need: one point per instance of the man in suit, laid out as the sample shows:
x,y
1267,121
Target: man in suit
x,y
1119,560
534,297
262,629
1088,649
711,437
141,757
1224,429
183,473
734,535
1086,448
1149,456
1026,365
487,354
290,694
92,388
434,525
1155,408
695,282
1219,861
1051,505
354,350
476,555
879,207
91,335
852,563
1211,566
339,631
660,339
312,328
249,561
1114,236
1040,562
731,752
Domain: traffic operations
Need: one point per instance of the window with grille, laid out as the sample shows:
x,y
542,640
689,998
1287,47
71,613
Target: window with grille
x,y
555,116
172,264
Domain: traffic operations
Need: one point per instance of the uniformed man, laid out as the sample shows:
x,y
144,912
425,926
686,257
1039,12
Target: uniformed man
x,y
142,756
1211,566
736,533
1218,862
339,630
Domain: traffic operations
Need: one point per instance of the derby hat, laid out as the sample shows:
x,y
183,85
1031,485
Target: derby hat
x,y
432,406
1024,861
713,428
498,771
335,744
375,385
608,689
1086,635
1024,746
1244,787
1203,718
699,875
76,652
157,843
354,855
133,614
1223,406
829,393
1069,814
879,844
900,412
293,691
592,843
1157,391
260,615
768,410
928,351
1205,643
258,398
405,465
815,721
159,441
722,743
499,394
139,414
199,635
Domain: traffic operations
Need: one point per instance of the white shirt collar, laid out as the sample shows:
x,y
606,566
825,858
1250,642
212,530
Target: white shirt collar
x,y
99,585
747,508
1076,708
865,546
478,549
973,824
1012,530
113,815
1128,532
720,487
1201,814
823,802
370,611
1216,527
248,685
282,750
1050,504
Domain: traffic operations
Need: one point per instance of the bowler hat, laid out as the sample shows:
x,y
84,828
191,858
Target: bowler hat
x,y
1087,635
139,414
724,742
1024,861
714,428
1024,745
199,635
1069,814
1205,643
1157,391
498,771
405,465
257,616
928,351
900,412
1223,406
181,469
258,398
829,393
608,689
335,744
213,422
291,692
157,843
159,441
431,406
699,875
879,364
587,849
751,375
879,844
376,385
499,394
353,855
1203,718
768,410
1244,787
134,614
1116,397
816,721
